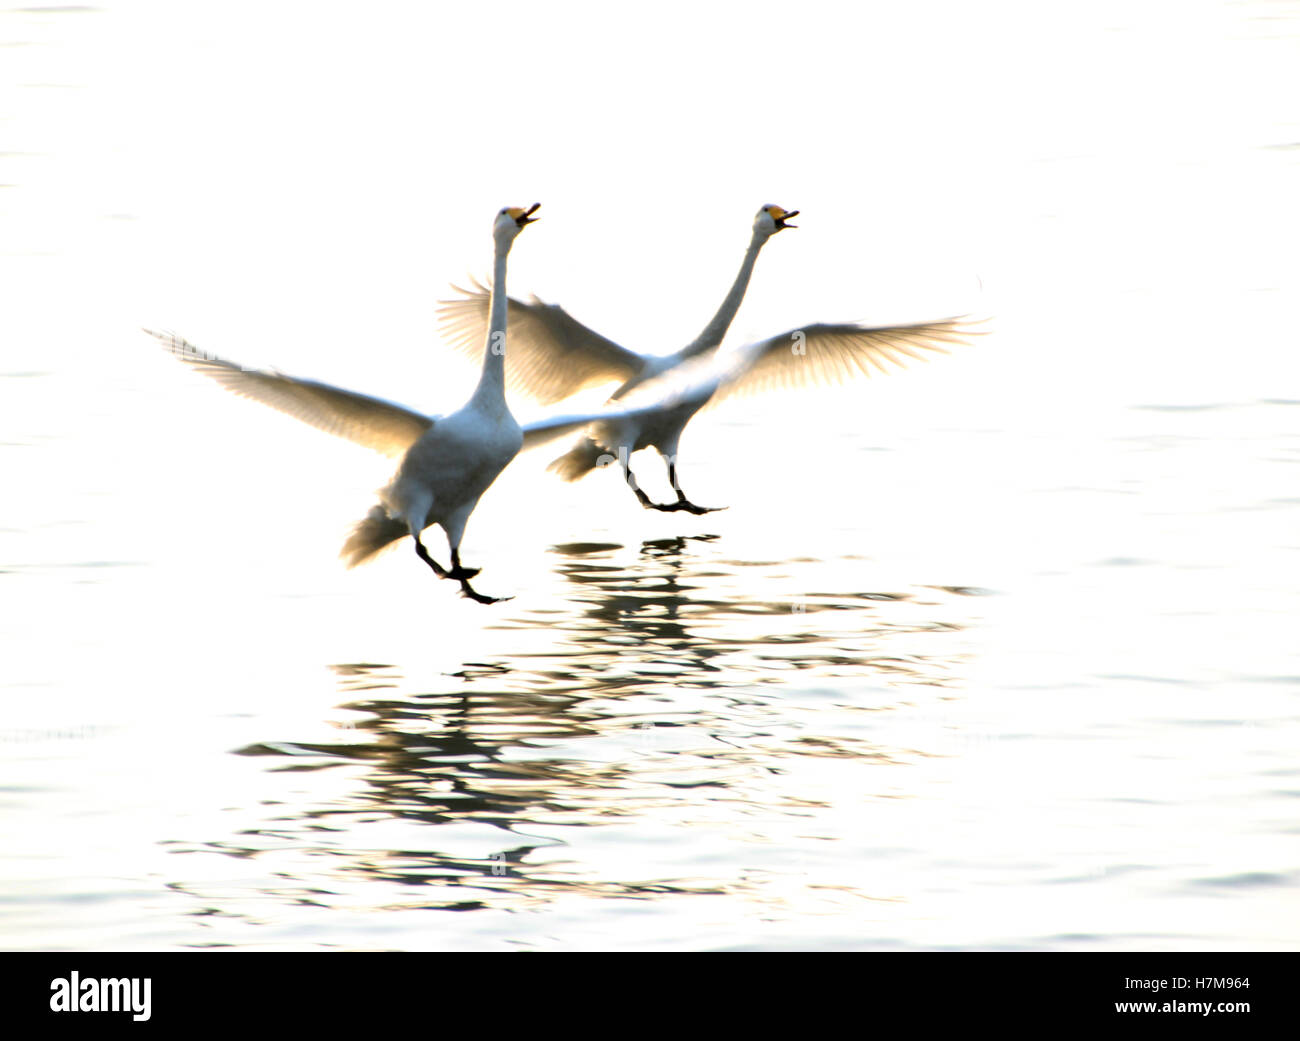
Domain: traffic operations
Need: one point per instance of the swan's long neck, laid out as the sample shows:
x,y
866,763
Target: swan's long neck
x,y
491,391
717,328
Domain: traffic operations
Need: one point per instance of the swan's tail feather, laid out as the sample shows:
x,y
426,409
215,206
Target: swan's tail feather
x,y
376,531
580,460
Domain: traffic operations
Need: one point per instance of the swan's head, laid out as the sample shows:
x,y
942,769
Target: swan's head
x,y
771,219
510,222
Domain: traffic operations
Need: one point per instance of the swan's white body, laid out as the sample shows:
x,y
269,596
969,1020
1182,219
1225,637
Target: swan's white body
x,y
558,356
444,474
446,462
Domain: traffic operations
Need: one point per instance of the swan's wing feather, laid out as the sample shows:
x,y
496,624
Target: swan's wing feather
x,y
543,430
548,429
550,355
828,353
372,422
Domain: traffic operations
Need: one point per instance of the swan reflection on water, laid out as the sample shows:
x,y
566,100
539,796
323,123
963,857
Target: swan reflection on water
x,y
667,701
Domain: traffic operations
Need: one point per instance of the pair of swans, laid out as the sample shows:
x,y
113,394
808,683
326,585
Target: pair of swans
x,y
552,356
448,462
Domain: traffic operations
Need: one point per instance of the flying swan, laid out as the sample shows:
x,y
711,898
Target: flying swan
x,y
446,462
554,355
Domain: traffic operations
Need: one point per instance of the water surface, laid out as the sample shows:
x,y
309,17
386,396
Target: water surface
x,y
998,654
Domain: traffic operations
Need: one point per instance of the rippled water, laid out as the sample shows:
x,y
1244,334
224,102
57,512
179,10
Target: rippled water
x,y
997,654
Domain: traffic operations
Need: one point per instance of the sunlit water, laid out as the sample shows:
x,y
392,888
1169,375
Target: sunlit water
x,y
996,654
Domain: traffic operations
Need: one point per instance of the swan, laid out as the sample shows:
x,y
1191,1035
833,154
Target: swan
x,y
554,355
446,462
815,354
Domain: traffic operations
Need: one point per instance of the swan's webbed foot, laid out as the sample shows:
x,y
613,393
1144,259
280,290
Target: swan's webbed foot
x,y
684,504
469,591
672,507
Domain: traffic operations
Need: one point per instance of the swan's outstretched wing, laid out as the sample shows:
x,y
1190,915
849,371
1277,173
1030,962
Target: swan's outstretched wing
x,y
827,353
372,422
550,355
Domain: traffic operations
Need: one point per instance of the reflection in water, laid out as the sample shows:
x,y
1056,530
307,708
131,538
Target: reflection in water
x,y
673,702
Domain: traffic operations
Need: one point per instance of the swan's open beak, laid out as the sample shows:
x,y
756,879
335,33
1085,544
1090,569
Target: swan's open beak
x,y
523,216
781,216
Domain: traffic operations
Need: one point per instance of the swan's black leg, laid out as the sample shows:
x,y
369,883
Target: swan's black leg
x,y
641,496
457,571
682,502
423,554
463,574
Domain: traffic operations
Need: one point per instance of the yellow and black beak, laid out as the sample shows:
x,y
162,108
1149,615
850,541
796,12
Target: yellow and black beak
x,y
523,216
780,216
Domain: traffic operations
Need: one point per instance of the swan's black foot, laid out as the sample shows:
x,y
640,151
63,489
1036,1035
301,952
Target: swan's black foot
x,y
682,504
674,507
467,590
